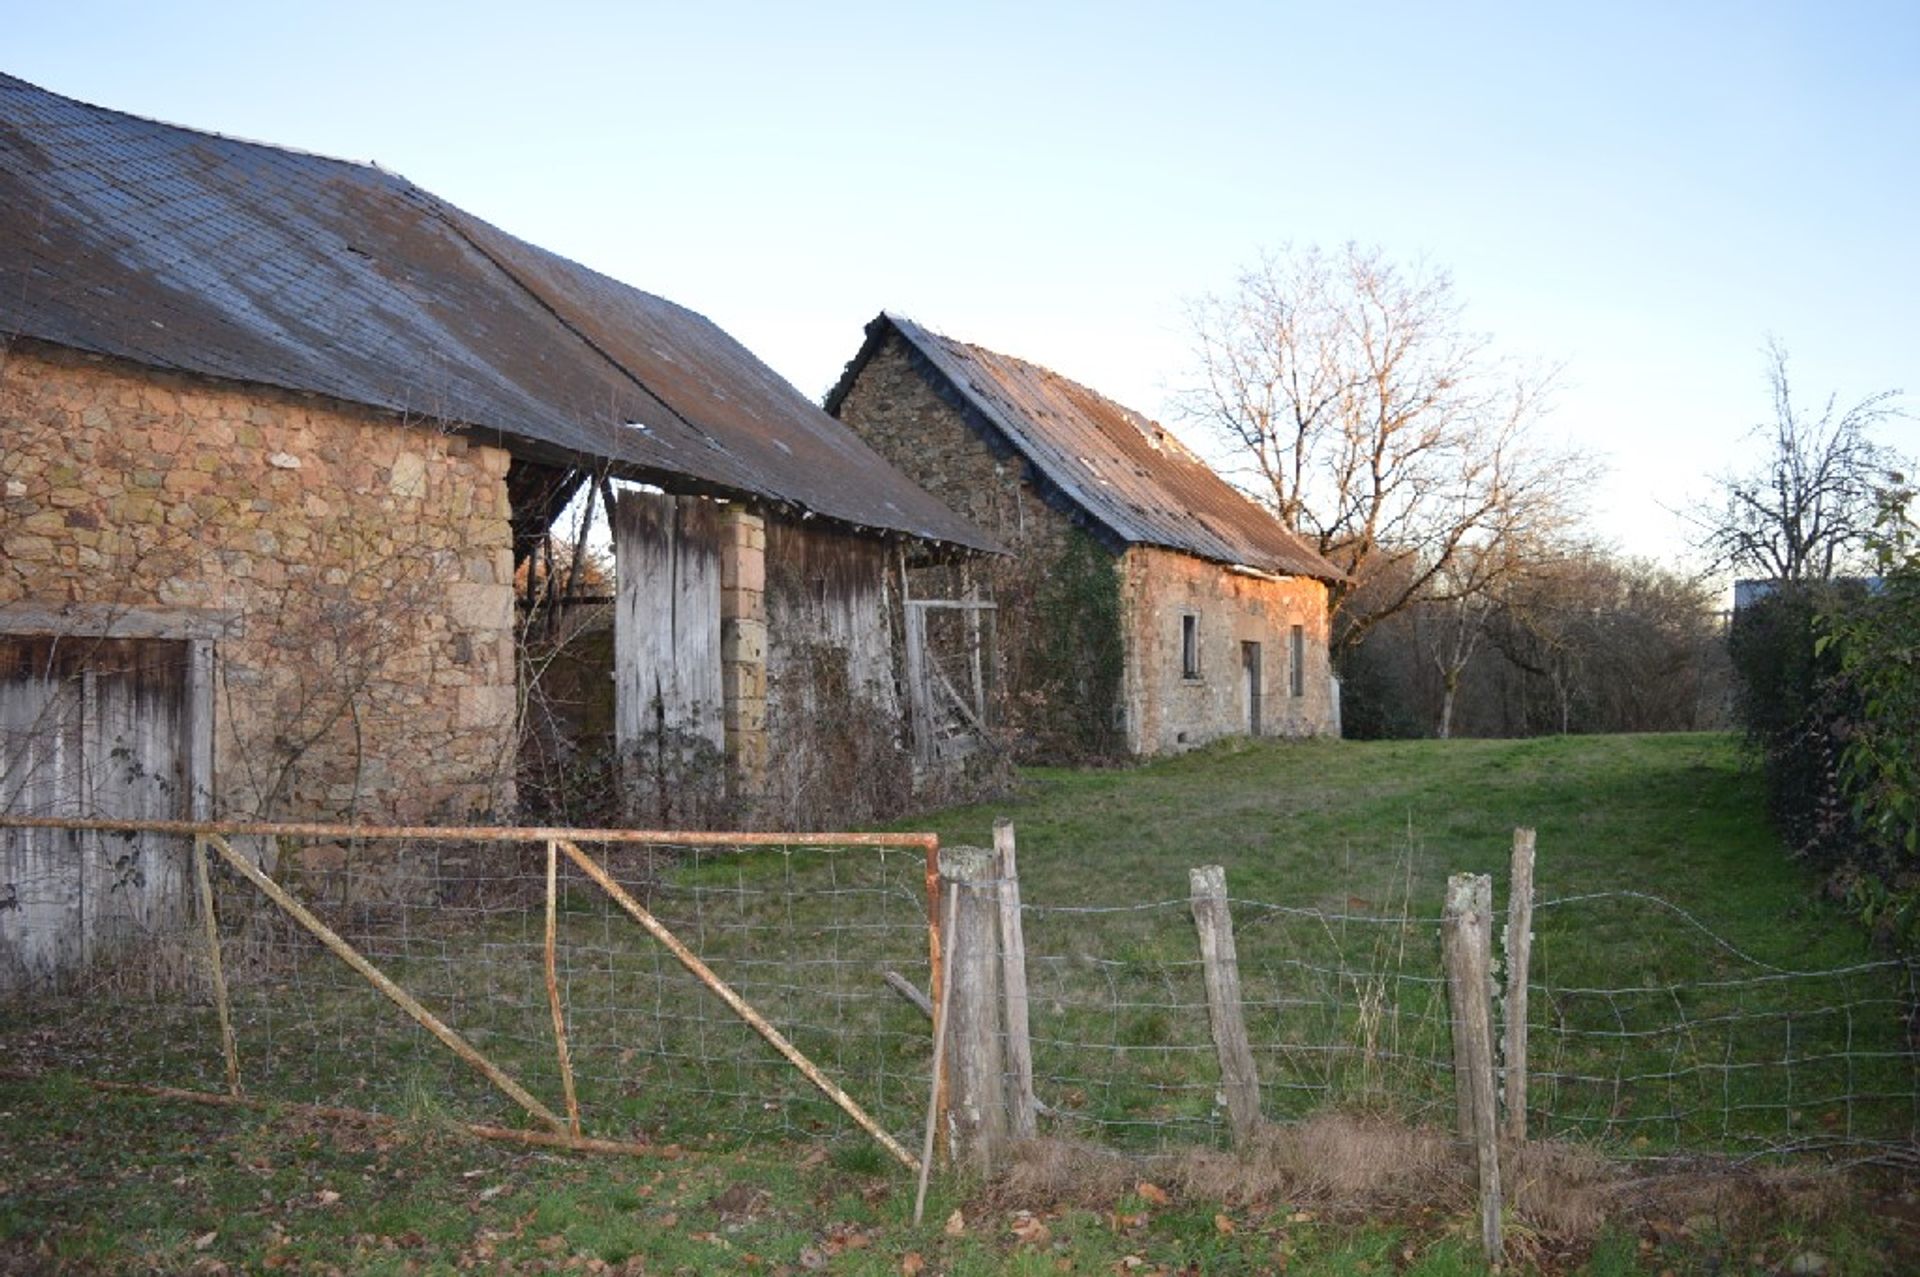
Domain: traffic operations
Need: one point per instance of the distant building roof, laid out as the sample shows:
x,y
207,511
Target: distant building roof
x,y
191,251
1125,472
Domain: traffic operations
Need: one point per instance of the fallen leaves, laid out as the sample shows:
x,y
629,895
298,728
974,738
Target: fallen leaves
x,y
1030,1229
956,1224
1151,1192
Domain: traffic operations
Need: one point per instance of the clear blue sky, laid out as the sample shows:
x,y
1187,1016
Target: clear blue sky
x,y
1640,193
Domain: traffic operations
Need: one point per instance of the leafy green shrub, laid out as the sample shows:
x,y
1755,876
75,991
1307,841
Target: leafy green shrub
x,y
1874,641
1789,700
1829,693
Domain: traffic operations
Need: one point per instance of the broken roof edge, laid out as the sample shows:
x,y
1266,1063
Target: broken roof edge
x,y
1004,440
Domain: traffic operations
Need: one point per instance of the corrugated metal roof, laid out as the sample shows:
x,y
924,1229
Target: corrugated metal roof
x,y
205,254
1126,472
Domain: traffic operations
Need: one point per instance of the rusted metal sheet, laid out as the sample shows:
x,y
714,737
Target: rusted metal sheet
x,y
89,728
199,253
1126,472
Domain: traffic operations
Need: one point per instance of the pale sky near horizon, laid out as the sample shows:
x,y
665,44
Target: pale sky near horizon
x,y
1638,193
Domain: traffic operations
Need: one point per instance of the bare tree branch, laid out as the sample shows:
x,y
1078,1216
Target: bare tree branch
x,y
1804,513
1378,427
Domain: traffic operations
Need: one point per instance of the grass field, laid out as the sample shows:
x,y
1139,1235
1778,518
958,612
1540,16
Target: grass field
x,y
1663,1033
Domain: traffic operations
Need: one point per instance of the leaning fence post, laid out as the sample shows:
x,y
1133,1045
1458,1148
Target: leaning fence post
x,y
1013,974
1466,931
1238,1080
976,1109
215,967
1518,946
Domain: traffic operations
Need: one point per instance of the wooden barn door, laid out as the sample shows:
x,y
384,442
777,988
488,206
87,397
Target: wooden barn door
x,y
668,702
101,729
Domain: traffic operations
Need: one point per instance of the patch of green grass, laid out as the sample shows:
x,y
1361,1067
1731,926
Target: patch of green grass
x,y
1336,854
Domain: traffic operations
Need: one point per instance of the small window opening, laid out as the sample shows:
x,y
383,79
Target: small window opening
x,y
1190,646
1297,662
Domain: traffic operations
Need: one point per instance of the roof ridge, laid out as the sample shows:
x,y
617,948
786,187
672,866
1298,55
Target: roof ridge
x,y
7,79
1062,427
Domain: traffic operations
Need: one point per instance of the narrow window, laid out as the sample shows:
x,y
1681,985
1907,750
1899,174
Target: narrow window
x,y
1297,662
1189,646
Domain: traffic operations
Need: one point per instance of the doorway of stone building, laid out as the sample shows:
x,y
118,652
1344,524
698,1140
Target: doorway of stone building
x,y
1251,683
93,728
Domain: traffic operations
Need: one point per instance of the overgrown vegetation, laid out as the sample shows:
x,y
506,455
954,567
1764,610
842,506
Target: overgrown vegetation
x,y
1073,709
1567,640
1830,697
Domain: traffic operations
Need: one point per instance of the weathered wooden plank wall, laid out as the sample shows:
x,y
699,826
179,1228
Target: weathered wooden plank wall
x,y
835,724
669,719
98,728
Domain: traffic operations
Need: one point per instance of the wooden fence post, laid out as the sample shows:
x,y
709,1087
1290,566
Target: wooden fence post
x,y
1238,1079
976,1112
1517,944
215,968
1466,931
1013,975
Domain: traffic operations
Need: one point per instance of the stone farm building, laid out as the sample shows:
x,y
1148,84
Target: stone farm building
x,y
1147,606
276,432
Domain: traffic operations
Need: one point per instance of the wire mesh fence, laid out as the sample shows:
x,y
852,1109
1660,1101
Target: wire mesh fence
x,y
1652,1034
802,931
1691,1042
1672,1042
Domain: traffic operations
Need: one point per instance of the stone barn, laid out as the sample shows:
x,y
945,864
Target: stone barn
x,y
276,433
1147,606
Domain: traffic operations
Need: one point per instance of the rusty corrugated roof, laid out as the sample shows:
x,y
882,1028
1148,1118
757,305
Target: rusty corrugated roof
x,y
1123,470
192,251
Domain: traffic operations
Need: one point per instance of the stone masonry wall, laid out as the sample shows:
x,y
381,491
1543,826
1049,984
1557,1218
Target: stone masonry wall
x,y
894,409
370,670
1167,711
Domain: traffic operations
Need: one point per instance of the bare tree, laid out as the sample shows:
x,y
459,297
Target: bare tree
x,y
1804,512
1378,427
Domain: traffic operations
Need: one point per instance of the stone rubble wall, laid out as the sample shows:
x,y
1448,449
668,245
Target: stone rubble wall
x,y
1167,711
893,408
370,673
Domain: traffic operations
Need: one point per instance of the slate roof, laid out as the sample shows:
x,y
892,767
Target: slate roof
x,y
200,253
1125,472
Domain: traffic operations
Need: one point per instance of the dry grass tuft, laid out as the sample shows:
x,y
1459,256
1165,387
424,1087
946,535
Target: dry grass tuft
x,y
1564,1192
1064,1171
1727,1200
1556,1192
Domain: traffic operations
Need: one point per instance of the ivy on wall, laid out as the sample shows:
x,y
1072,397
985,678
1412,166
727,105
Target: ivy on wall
x,y
1074,700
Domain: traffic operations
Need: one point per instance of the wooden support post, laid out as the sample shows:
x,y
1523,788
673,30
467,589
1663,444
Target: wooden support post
x,y
1238,1079
1013,976
937,1083
1466,931
976,1109
1518,947
216,968
553,991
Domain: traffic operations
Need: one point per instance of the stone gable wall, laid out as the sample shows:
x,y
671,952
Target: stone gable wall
x,y
1167,711
370,670
893,408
